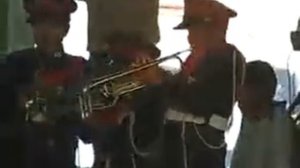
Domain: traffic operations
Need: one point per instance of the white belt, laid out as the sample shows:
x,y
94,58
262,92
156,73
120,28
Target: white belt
x,y
215,120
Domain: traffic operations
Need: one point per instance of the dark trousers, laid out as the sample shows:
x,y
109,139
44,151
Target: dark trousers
x,y
113,143
13,155
50,147
198,155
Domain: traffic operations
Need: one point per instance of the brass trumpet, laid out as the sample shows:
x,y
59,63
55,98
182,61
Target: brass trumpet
x,y
104,92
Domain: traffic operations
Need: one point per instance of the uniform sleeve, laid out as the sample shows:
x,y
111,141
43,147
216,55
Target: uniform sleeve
x,y
11,118
78,127
11,78
240,66
149,115
7,103
81,129
85,133
22,65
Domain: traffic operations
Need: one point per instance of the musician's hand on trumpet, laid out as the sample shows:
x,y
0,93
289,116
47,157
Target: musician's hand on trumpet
x,y
110,116
151,75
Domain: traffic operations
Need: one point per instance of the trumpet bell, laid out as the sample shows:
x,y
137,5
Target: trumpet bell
x,y
106,95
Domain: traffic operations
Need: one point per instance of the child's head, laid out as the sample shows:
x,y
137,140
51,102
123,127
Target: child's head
x,y
256,96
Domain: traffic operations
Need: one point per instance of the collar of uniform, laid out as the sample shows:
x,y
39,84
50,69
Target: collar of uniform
x,y
57,54
192,62
56,60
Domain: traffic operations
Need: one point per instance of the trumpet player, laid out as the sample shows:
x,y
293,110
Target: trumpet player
x,y
203,95
113,142
46,80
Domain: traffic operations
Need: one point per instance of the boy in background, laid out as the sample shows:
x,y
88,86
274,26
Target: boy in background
x,y
259,144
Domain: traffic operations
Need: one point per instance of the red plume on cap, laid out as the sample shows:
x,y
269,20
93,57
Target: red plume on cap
x,y
50,9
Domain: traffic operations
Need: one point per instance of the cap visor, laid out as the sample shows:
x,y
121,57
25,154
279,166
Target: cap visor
x,y
182,25
232,13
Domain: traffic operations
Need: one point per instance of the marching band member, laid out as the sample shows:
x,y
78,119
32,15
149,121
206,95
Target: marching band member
x,y
113,143
202,97
46,80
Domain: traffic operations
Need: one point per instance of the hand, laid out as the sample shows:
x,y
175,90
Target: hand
x,y
151,75
110,116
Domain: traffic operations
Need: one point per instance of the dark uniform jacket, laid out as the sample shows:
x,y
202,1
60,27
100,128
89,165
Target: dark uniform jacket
x,y
212,88
205,92
49,144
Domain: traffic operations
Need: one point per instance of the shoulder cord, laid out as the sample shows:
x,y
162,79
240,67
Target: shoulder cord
x,y
107,162
234,62
131,137
184,149
234,68
133,161
204,141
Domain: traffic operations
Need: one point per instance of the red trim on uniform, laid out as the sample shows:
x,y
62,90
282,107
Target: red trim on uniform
x,y
64,76
190,65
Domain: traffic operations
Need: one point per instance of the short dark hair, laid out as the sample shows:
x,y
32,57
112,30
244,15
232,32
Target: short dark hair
x,y
261,76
